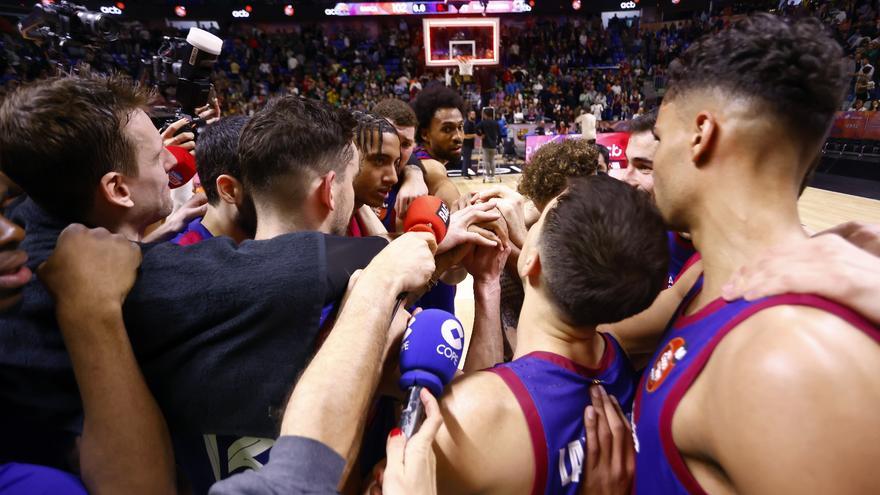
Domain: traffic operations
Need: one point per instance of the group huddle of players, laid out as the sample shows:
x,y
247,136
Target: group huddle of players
x,y
659,333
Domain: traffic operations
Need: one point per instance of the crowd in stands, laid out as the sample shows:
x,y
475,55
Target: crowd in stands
x,y
856,26
552,69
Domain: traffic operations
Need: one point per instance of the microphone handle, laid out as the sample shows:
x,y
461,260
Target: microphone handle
x,y
400,298
413,413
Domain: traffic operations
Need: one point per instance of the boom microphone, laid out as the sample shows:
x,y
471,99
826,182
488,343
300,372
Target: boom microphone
x,y
429,355
185,168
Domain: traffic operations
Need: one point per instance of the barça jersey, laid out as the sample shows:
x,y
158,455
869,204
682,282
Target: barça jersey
x,y
686,348
553,392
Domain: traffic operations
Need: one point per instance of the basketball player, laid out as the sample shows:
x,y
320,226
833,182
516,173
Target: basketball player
x,y
411,183
639,173
379,147
842,264
767,396
230,208
552,166
411,178
640,150
604,158
529,438
439,135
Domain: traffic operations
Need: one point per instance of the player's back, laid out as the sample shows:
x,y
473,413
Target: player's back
x,y
694,385
552,392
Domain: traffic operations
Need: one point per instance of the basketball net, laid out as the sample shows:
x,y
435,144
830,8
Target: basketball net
x,y
465,66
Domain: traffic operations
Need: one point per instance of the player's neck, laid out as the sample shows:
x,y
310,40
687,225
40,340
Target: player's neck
x,y
433,156
540,329
271,224
130,232
220,223
739,224
111,219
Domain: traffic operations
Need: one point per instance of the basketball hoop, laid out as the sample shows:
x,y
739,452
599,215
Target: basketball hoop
x,y
465,65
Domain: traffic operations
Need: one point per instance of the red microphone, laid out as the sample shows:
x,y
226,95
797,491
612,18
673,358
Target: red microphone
x,y
427,214
183,170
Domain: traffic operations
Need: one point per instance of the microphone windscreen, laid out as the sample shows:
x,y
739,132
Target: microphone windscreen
x,y
183,170
431,350
205,41
427,214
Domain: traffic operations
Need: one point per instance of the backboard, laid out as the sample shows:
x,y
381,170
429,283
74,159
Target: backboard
x,y
448,39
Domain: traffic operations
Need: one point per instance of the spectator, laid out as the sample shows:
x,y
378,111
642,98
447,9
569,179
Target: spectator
x,y
597,109
467,147
490,132
857,106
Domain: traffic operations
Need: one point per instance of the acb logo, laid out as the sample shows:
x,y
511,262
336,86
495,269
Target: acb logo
x,y
627,5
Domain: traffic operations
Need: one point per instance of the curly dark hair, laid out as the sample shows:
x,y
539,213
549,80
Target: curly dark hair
x,y
429,101
793,66
553,165
604,252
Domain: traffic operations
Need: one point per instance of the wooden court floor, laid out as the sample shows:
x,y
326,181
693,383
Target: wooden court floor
x,y
819,210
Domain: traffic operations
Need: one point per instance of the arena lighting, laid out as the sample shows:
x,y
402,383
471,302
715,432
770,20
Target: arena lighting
x,y
576,4
120,5
180,11
248,8
288,10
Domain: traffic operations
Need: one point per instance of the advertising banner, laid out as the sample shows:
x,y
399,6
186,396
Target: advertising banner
x,y
615,142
